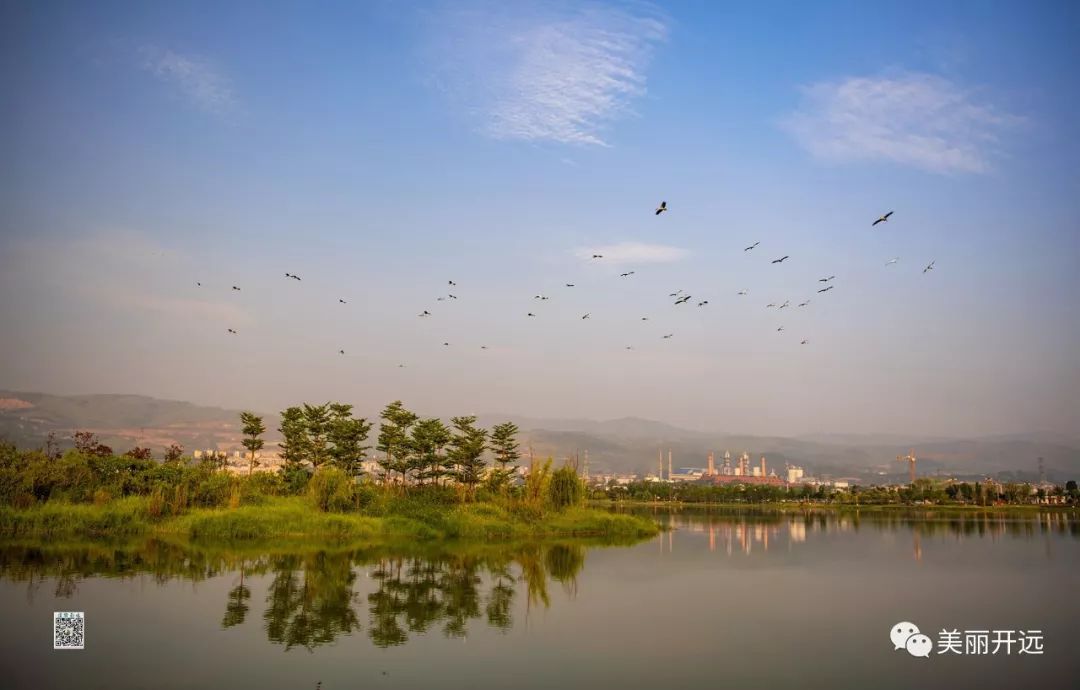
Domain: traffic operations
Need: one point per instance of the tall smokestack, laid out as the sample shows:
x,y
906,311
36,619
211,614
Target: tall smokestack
x,y
712,464
763,466
660,461
669,463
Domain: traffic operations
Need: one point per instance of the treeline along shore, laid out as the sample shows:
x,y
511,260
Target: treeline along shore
x,y
431,481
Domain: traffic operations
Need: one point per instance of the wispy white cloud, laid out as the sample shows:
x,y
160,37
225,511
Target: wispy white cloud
x,y
550,76
916,119
198,79
626,253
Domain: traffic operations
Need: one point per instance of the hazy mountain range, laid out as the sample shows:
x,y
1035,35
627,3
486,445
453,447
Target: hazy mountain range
x,y
626,444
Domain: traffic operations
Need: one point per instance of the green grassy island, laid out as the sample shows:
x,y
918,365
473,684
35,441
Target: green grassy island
x,y
431,482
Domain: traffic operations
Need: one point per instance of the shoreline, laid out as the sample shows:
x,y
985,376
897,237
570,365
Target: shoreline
x,y
836,507
296,518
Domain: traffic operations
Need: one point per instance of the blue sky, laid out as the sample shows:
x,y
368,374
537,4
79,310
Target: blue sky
x,y
379,150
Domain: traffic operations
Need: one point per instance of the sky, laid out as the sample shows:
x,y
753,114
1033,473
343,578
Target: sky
x,y
380,150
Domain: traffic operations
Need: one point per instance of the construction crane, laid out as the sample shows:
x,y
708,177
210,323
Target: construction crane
x,y
910,460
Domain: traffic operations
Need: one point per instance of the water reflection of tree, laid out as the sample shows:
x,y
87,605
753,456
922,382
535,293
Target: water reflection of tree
x,y
310,600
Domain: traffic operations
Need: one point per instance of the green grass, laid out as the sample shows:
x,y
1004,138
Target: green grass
x,y
291,518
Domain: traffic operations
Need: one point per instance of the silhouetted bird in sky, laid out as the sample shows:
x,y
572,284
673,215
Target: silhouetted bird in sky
x,y
826,289
585,316
199,284
598,256
786,303
779,329
235,288
341,351
743,292
483,347
530,314
661,208
425,313
629,348
452,296
295,277
780,260
683,299
752,246
440,299
803,304
804,342
628,273
892,261
929,267
232,331
668,336
569,285
452,283
770,304
342,301
825,280
644,318
702,304
446,344
401,366
675,294
883,219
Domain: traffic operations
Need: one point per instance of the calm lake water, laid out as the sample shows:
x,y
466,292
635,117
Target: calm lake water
x,y
722,600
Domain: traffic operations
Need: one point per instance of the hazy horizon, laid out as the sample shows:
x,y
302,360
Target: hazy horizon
x,y
381,151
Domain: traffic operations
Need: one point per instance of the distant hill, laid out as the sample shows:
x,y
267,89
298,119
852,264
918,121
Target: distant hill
x,y
621,445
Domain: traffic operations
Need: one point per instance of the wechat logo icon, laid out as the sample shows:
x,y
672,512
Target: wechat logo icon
x,y
906,635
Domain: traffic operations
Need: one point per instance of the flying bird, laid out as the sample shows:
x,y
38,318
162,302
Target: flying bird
x,y
702,304
629,348
440,299
530,314
451,283
425,313
341,351
668,336
644,318
780,260
804,342
883,219
446,344
401,366
826,289
295,277
585,317
569,285
675,294
452,296
199,284
342,301
743,292
598,256
929,267
825,280
892,261
232,331
803,304
661,208
628,273
770,304
752,246
779,329
236,288
683,299
483,347
786,303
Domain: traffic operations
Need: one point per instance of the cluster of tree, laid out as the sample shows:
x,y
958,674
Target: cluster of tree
x,y
412,450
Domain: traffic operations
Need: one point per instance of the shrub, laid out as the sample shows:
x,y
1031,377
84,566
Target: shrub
x,y
332,490
211,490
566,489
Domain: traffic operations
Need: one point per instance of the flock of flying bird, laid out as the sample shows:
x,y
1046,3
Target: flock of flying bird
x,y
680,296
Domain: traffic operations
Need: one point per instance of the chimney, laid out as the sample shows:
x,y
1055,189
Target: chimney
x,y
669,463
763,466
712,464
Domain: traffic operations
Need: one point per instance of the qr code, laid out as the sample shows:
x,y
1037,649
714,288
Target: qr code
x,y
69,629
